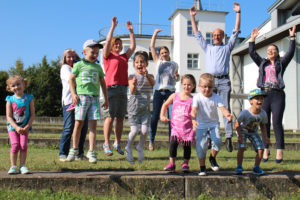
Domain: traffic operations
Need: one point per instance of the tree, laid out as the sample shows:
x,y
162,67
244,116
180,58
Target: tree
x,y
3,93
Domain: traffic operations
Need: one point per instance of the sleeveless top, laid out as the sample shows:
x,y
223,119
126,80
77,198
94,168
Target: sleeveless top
x,y
181,121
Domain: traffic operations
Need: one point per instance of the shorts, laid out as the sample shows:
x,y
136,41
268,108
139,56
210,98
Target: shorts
x,y
117,98
202,140
88,106
141,119
254,139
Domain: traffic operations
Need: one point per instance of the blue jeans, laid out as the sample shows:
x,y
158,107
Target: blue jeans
x,y
69,121
223,89
159,98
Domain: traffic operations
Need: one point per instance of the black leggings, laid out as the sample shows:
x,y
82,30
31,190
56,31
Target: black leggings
x,y
187,149
275,103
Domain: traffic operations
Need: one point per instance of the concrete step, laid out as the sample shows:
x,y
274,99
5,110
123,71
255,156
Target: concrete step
x,y
158,184
54,142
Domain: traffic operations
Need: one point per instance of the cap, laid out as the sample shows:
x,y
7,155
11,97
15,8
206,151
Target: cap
x,y
256,92
92,43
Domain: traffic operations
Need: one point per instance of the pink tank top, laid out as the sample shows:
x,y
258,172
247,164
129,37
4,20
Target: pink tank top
x,y
181,121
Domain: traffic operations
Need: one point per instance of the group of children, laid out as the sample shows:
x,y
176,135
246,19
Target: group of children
x,y
194,118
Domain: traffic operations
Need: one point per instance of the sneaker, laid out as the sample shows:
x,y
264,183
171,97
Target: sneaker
x,y
170,167
185,167
229,145
202,173
81,157
117,147
129,155
213,163
151,146
71,107
62,158
239,170
258,171
24,170
92,156
72,153
12,170
141,155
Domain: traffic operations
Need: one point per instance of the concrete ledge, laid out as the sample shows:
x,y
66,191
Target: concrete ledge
x,y
158,184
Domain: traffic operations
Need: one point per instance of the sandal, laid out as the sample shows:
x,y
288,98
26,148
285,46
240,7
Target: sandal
x,y
107,150
117,147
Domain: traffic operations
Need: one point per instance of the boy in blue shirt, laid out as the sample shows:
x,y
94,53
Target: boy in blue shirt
x,y
247,127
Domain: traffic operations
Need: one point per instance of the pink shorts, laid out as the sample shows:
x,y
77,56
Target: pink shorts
x,y
18,142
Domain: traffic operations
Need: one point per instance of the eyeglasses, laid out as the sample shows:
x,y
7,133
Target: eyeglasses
x,y
206,87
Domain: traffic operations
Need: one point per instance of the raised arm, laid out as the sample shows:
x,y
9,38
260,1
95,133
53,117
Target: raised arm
x,y
252,51
107,46
237,10
152,45
193,12
131,49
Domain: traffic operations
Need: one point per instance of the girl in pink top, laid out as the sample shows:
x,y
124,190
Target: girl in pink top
x,y
181,122
116,78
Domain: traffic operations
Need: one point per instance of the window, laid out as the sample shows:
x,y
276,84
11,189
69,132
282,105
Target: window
x,y
190,28
209,38
192,61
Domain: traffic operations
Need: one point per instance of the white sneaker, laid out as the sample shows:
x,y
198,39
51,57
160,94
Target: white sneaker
x,y
62,158
72,153
129,155
92,156
141,155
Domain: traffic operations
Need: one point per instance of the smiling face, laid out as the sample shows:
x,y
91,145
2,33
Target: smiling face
x,y
206,87
187,85
91,54
164,53
116,46
140,64
17,87
272,52
218,36
69,58
257,102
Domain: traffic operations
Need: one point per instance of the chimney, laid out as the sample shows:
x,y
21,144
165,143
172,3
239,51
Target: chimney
x,y
198,5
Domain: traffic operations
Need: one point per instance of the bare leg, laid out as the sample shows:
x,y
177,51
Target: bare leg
x,y
107,128
258,157
266,154
279,154
92,134
119,130
23,156
240,156
76,132
13,159
202,161
214,153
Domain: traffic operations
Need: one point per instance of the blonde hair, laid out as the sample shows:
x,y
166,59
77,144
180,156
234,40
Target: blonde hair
x,y
63,58
13,78
207,77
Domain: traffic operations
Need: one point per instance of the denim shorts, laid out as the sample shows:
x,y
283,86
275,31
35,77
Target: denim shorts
x,y
117,98
88,106
254,139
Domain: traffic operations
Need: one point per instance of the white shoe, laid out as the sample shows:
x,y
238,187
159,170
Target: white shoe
x,y
72,153
92,156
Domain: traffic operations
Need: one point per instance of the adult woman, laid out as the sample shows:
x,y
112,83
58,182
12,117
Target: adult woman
x,y
167,75
116,77
67,61
270,81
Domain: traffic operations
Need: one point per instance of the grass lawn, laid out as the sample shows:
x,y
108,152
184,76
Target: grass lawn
x,y
46,159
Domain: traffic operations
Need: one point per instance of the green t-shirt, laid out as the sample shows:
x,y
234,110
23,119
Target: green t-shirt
x,y
87,77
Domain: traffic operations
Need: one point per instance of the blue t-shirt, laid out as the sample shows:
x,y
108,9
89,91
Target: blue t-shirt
x,y
20,110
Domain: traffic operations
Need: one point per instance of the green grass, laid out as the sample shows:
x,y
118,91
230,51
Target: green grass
x,y
46,159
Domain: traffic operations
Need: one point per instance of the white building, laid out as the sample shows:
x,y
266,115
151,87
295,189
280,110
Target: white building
x,y
190,57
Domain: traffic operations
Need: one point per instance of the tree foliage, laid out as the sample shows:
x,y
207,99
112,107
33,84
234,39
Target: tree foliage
x,y
3,93
44,84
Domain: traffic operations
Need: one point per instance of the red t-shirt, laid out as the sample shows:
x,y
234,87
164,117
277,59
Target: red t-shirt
x,y
116,69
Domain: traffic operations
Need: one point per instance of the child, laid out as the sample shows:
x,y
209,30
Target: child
x,y
167,75
140,86
20,114
206,121
88,75
247,127
181,122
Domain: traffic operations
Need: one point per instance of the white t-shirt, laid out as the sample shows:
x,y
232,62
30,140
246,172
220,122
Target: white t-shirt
x,y
65,72
207,110
165,78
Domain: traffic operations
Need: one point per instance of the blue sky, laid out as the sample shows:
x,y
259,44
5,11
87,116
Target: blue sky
x,y
31,29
